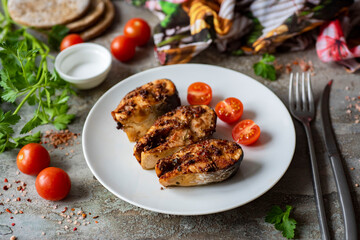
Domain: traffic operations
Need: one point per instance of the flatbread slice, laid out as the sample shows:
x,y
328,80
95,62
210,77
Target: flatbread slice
x,y
93,14
46,13
103,23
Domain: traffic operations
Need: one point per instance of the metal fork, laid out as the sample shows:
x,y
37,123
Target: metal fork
x,y
302,107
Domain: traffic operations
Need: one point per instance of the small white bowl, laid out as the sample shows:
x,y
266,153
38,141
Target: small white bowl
x,y
85,65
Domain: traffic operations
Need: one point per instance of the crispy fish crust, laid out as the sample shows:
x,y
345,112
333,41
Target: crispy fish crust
x,y
207,161
139,109
174,130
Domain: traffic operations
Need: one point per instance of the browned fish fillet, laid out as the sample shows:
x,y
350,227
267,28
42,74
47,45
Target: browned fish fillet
x,y
139,109
204,162
174,130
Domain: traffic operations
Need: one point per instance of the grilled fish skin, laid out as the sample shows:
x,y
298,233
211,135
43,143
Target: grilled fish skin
x,y
174,130
205,162
139,109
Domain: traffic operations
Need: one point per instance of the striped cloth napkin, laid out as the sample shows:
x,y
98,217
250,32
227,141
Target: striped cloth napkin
x,y
246,27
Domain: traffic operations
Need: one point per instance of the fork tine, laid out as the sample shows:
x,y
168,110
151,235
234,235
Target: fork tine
x,y
303,93
297,98
291,84
310,94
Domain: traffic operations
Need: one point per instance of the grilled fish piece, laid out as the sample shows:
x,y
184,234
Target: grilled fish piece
x,y
207,161
174,130
139,109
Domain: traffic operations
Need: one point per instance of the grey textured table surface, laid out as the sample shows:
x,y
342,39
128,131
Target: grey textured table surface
x,y
117,219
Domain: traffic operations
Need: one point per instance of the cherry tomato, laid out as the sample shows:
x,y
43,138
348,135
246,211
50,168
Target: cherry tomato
x,y
123,48
246,132
138,30
229,110
199,93
32,158
70,40
53,184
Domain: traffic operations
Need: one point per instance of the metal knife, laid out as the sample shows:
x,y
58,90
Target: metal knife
x,y
337,167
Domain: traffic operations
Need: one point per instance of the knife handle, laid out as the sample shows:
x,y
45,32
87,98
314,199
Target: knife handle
x,y
317,186
344,198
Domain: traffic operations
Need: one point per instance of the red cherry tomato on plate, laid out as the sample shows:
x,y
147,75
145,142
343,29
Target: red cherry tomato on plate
x,y
246,132
199,93
229,110
123,48
70,40
138,30
53,184
32,158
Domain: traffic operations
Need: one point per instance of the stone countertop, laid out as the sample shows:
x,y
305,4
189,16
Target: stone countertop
x,y
118,219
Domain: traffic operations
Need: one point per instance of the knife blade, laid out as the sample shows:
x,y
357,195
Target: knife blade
x,y
346,204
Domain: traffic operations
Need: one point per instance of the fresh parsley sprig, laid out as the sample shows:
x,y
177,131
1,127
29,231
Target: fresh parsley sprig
x,y
265,67
282,221
26,79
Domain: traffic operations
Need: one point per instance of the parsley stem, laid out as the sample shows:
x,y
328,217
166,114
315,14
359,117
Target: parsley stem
x,y
23,101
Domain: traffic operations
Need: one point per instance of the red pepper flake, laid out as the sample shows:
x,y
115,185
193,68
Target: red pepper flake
x,y
13,224
21,212
19,188
89,213
74,229
1,204
11,217
24,184
8,210
29,200
95,217
73,209
18,181
5,187
96,222
5,180
83,215
18,199
65,208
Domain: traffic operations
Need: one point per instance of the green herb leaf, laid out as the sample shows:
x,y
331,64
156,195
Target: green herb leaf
x,y
264,67
56,35
22,141
63,120
30,125
282,221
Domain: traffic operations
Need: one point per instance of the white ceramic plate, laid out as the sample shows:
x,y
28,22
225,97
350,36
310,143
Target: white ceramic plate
x,y
109,154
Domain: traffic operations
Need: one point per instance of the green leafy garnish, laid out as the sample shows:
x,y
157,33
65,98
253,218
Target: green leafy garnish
x,y
26,79
6,141
282,221
56,35
265,68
